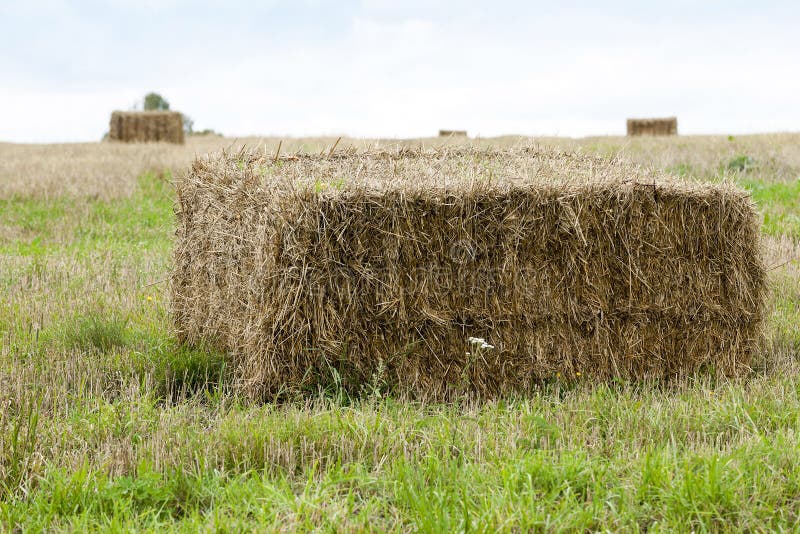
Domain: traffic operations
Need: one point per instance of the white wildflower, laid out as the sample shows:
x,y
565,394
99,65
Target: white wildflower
x,y
480,343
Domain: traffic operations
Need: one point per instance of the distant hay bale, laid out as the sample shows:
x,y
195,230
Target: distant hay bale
x,y
663,126
377,267
146,126
452,133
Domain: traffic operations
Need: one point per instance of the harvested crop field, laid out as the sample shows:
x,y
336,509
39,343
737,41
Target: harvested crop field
x,y
108,421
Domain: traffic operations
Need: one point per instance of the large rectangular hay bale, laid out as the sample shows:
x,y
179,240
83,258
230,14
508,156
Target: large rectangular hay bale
x,y
146,127
380,265
452,133
653,127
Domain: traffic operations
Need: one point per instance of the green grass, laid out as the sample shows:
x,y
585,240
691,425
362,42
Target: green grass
x,y
741,163
778,202
97,332
600,457
140,222
107,423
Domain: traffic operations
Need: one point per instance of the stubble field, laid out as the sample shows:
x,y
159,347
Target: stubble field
x,y
106,422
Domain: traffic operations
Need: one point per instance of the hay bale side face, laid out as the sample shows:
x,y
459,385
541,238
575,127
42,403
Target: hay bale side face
x,y
653,127
452,133
382,265
146,127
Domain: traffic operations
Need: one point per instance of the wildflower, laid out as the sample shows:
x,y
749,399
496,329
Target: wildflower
x,y
149,298
480,343
578,373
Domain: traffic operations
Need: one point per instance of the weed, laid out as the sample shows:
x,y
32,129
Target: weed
x,y
182,372
95,331
741,163
18,439
681,169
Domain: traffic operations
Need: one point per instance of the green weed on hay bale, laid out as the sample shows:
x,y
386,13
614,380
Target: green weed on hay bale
x,y
146,126
653,127
378,266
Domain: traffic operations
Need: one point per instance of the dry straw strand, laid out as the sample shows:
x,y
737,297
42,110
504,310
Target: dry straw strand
x,y
380,265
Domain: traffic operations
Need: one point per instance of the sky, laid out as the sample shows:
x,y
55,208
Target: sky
x,y
400,68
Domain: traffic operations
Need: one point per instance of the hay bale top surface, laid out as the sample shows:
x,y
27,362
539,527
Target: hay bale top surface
x,y
428,172
653,120
167,113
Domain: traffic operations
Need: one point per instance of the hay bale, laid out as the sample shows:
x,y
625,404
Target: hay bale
x,y
452,133
146,126
663,126
381,265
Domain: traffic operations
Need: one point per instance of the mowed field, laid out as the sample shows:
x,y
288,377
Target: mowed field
x,y
107,423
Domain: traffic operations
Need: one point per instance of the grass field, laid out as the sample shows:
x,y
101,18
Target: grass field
x,y
106,423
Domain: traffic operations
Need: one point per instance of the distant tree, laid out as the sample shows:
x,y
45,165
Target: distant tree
x,y
155,102
188,125
207,131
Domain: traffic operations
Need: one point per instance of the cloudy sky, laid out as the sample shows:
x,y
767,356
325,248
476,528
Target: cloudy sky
x,y
400,68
